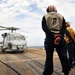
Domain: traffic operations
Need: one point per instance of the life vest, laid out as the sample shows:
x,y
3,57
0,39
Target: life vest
x,y
54,21
72,34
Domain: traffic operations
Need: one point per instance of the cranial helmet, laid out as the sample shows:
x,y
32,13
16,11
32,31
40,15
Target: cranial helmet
x,y
67,24
51,8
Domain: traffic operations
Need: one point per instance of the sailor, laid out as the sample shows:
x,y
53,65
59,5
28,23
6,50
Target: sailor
x,y
54,26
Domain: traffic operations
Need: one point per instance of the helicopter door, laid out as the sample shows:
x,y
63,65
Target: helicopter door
x,y
6,41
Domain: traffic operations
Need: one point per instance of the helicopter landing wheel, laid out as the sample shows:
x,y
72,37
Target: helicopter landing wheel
x,y
3,50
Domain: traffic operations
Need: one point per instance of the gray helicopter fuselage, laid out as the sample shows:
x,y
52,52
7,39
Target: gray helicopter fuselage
x,y
14,42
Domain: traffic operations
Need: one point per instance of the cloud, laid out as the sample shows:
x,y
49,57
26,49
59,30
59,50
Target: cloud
x,y
28,14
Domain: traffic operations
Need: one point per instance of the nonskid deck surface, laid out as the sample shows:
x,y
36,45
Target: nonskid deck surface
x,y
30,62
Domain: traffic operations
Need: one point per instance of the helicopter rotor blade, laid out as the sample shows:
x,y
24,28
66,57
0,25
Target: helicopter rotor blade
x,y
9,28
2,27
12,28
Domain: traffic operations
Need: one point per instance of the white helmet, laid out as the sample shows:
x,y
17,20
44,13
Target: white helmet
x,y
51,8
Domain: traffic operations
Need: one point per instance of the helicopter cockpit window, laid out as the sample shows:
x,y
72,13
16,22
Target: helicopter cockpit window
x,y
17,38
22,37
12,37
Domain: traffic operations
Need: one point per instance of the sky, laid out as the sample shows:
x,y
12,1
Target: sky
x,y
27,15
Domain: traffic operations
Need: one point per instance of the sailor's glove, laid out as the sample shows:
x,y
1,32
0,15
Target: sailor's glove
x,y
57,38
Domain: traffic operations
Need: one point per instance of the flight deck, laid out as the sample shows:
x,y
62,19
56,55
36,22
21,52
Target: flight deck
x,y
29,62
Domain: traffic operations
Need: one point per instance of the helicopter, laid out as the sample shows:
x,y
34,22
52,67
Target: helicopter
x,y
13,41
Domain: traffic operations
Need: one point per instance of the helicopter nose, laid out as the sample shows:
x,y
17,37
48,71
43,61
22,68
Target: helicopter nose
x,y
20,47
